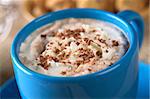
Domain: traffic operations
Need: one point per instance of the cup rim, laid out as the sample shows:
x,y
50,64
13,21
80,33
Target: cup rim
x,y
117,64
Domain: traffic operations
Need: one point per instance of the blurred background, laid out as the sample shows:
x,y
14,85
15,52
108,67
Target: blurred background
x,y
14,14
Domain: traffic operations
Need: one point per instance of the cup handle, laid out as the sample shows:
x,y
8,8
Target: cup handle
x,y
136,21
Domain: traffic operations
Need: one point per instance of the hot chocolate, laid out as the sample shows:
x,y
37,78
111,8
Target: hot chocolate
x,y
73,47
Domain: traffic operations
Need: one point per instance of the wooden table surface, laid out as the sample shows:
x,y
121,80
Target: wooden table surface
x,y
6,69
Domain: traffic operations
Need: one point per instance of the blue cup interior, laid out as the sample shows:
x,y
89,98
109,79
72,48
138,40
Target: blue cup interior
x,y
72,13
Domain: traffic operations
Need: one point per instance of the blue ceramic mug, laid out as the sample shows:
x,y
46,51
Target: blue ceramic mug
x,y
116,81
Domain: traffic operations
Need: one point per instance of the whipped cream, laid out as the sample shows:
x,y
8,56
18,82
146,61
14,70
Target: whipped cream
x,y
73,47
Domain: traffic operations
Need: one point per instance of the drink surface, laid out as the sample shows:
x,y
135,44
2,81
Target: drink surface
x,y
73,47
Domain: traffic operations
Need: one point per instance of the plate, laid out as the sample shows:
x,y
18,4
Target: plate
x,y
10,89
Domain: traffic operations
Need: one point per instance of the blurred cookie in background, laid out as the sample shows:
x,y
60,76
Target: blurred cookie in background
x,y
107,5
39,3
38,11
35,8
140,6
54,5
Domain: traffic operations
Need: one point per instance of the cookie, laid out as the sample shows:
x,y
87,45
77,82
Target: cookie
x,y
98,4
139,6
37,11
39,3
59,4
135,5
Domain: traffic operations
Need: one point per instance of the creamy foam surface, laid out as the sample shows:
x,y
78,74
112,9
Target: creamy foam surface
x,y
73,47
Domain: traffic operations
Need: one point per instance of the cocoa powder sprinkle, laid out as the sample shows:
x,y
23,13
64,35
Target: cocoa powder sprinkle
x,y
115,43
85,53
63,72
43,35
99,53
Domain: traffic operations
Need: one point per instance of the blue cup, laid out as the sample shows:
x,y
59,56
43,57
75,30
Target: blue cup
x,y
116,81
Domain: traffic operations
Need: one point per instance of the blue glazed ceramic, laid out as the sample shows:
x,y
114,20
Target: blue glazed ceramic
x,y
117,81
9,89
